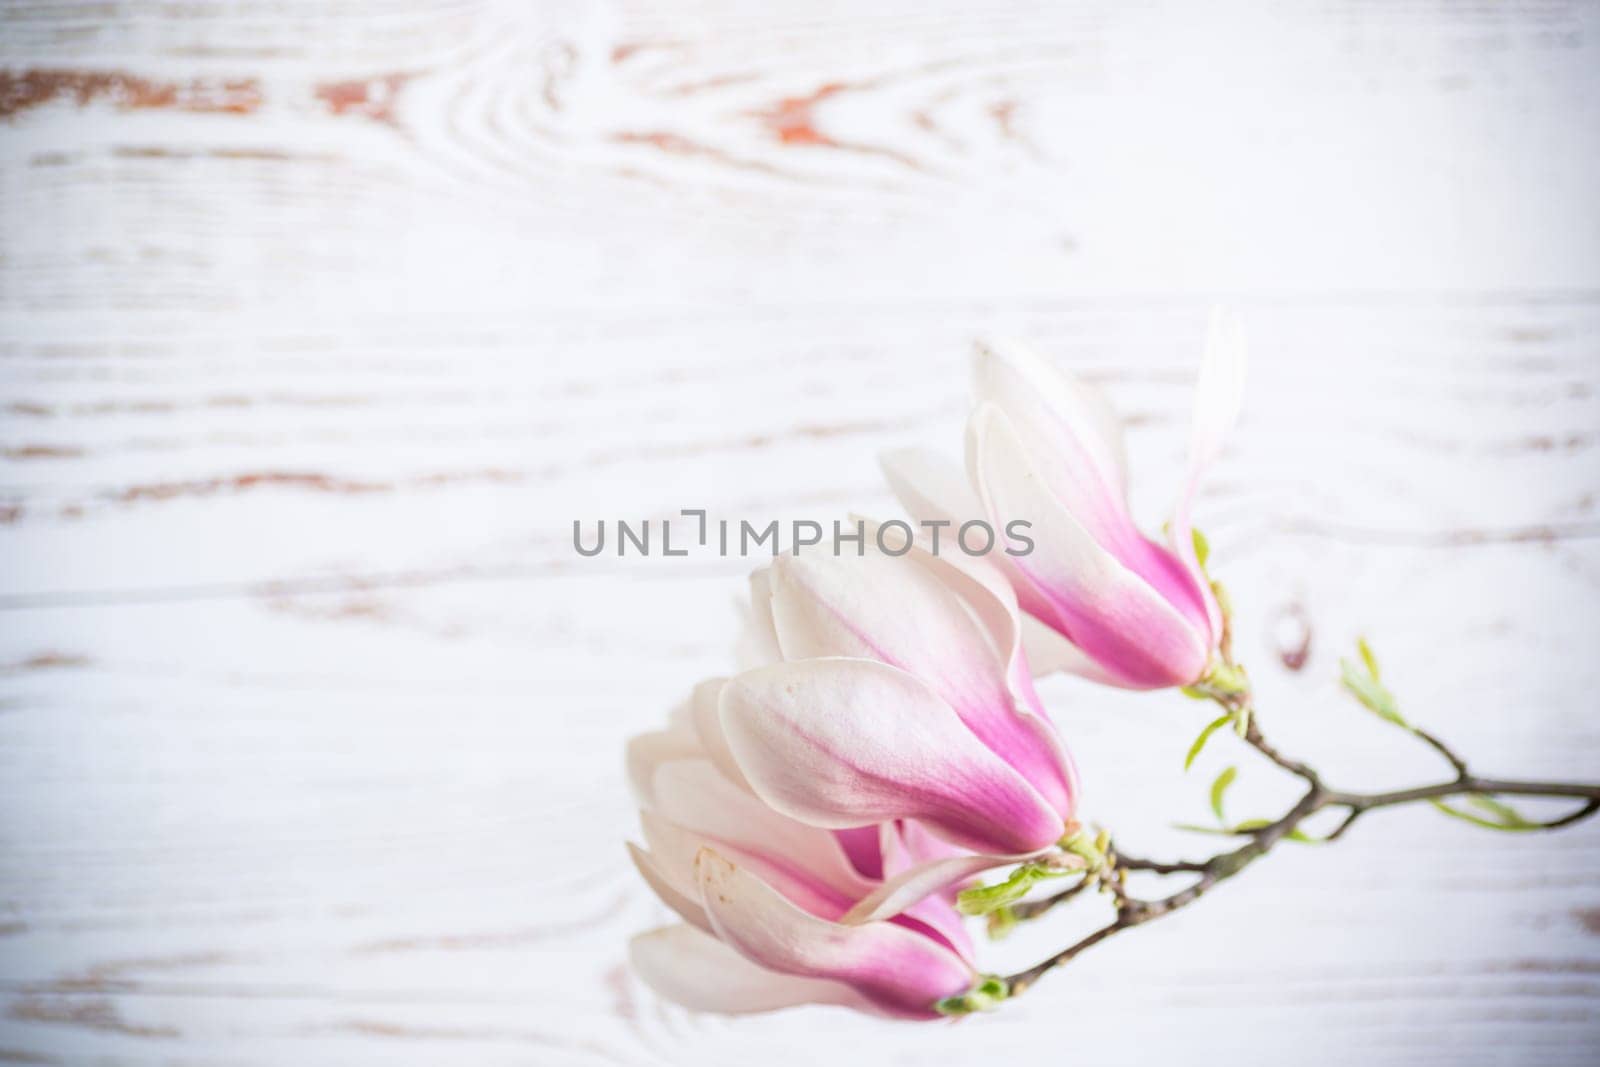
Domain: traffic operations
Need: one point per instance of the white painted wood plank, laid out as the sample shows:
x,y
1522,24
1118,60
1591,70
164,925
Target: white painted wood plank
x,y
319,323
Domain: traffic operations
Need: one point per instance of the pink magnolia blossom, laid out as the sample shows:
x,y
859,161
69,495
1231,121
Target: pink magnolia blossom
x,y
777,912
894,687
1042,446
811,817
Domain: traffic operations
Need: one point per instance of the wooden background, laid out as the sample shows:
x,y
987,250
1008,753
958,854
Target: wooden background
x,y
323,320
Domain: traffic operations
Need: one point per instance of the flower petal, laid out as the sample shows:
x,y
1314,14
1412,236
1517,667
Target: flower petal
x,y
1219,392
910,844
1073,414
646,752
863,845
707,722
758,641
672,893
674,849
1074,437
693,795
907,844
1105,609
910,886
699,972
902,972
936,916
845,742
1050,651
671,850
1016,726
1218,396
933,489
668,867
930,486
896,610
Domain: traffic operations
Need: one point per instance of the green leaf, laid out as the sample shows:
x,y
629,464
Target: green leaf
x,y
1247,827
1205,735
1215,831
1500,808
1202,547
1372,694
1369,658
981,900
1219,788
1502,817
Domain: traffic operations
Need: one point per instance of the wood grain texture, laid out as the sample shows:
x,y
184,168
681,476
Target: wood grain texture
x,y
320,322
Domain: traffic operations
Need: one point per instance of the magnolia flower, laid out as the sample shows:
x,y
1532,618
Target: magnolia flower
x,y
1044,447
811,818
777,912
894,687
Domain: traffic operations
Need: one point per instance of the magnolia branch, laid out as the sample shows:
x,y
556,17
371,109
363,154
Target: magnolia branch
x,y
1132,911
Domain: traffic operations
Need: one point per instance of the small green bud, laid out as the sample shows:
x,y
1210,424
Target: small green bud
x,y
1226,679
986,995
1079,843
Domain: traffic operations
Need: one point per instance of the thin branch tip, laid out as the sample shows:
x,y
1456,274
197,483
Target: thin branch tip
x,y
1132,911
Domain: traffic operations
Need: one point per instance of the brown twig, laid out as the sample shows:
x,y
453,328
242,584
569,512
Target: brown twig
x,y
1032,909
1443,749
1133,912
1133,863
1253,738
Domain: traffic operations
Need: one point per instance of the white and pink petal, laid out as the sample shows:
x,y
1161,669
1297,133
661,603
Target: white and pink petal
x,y
695,970
1106,610
847,742
694,796
899,970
